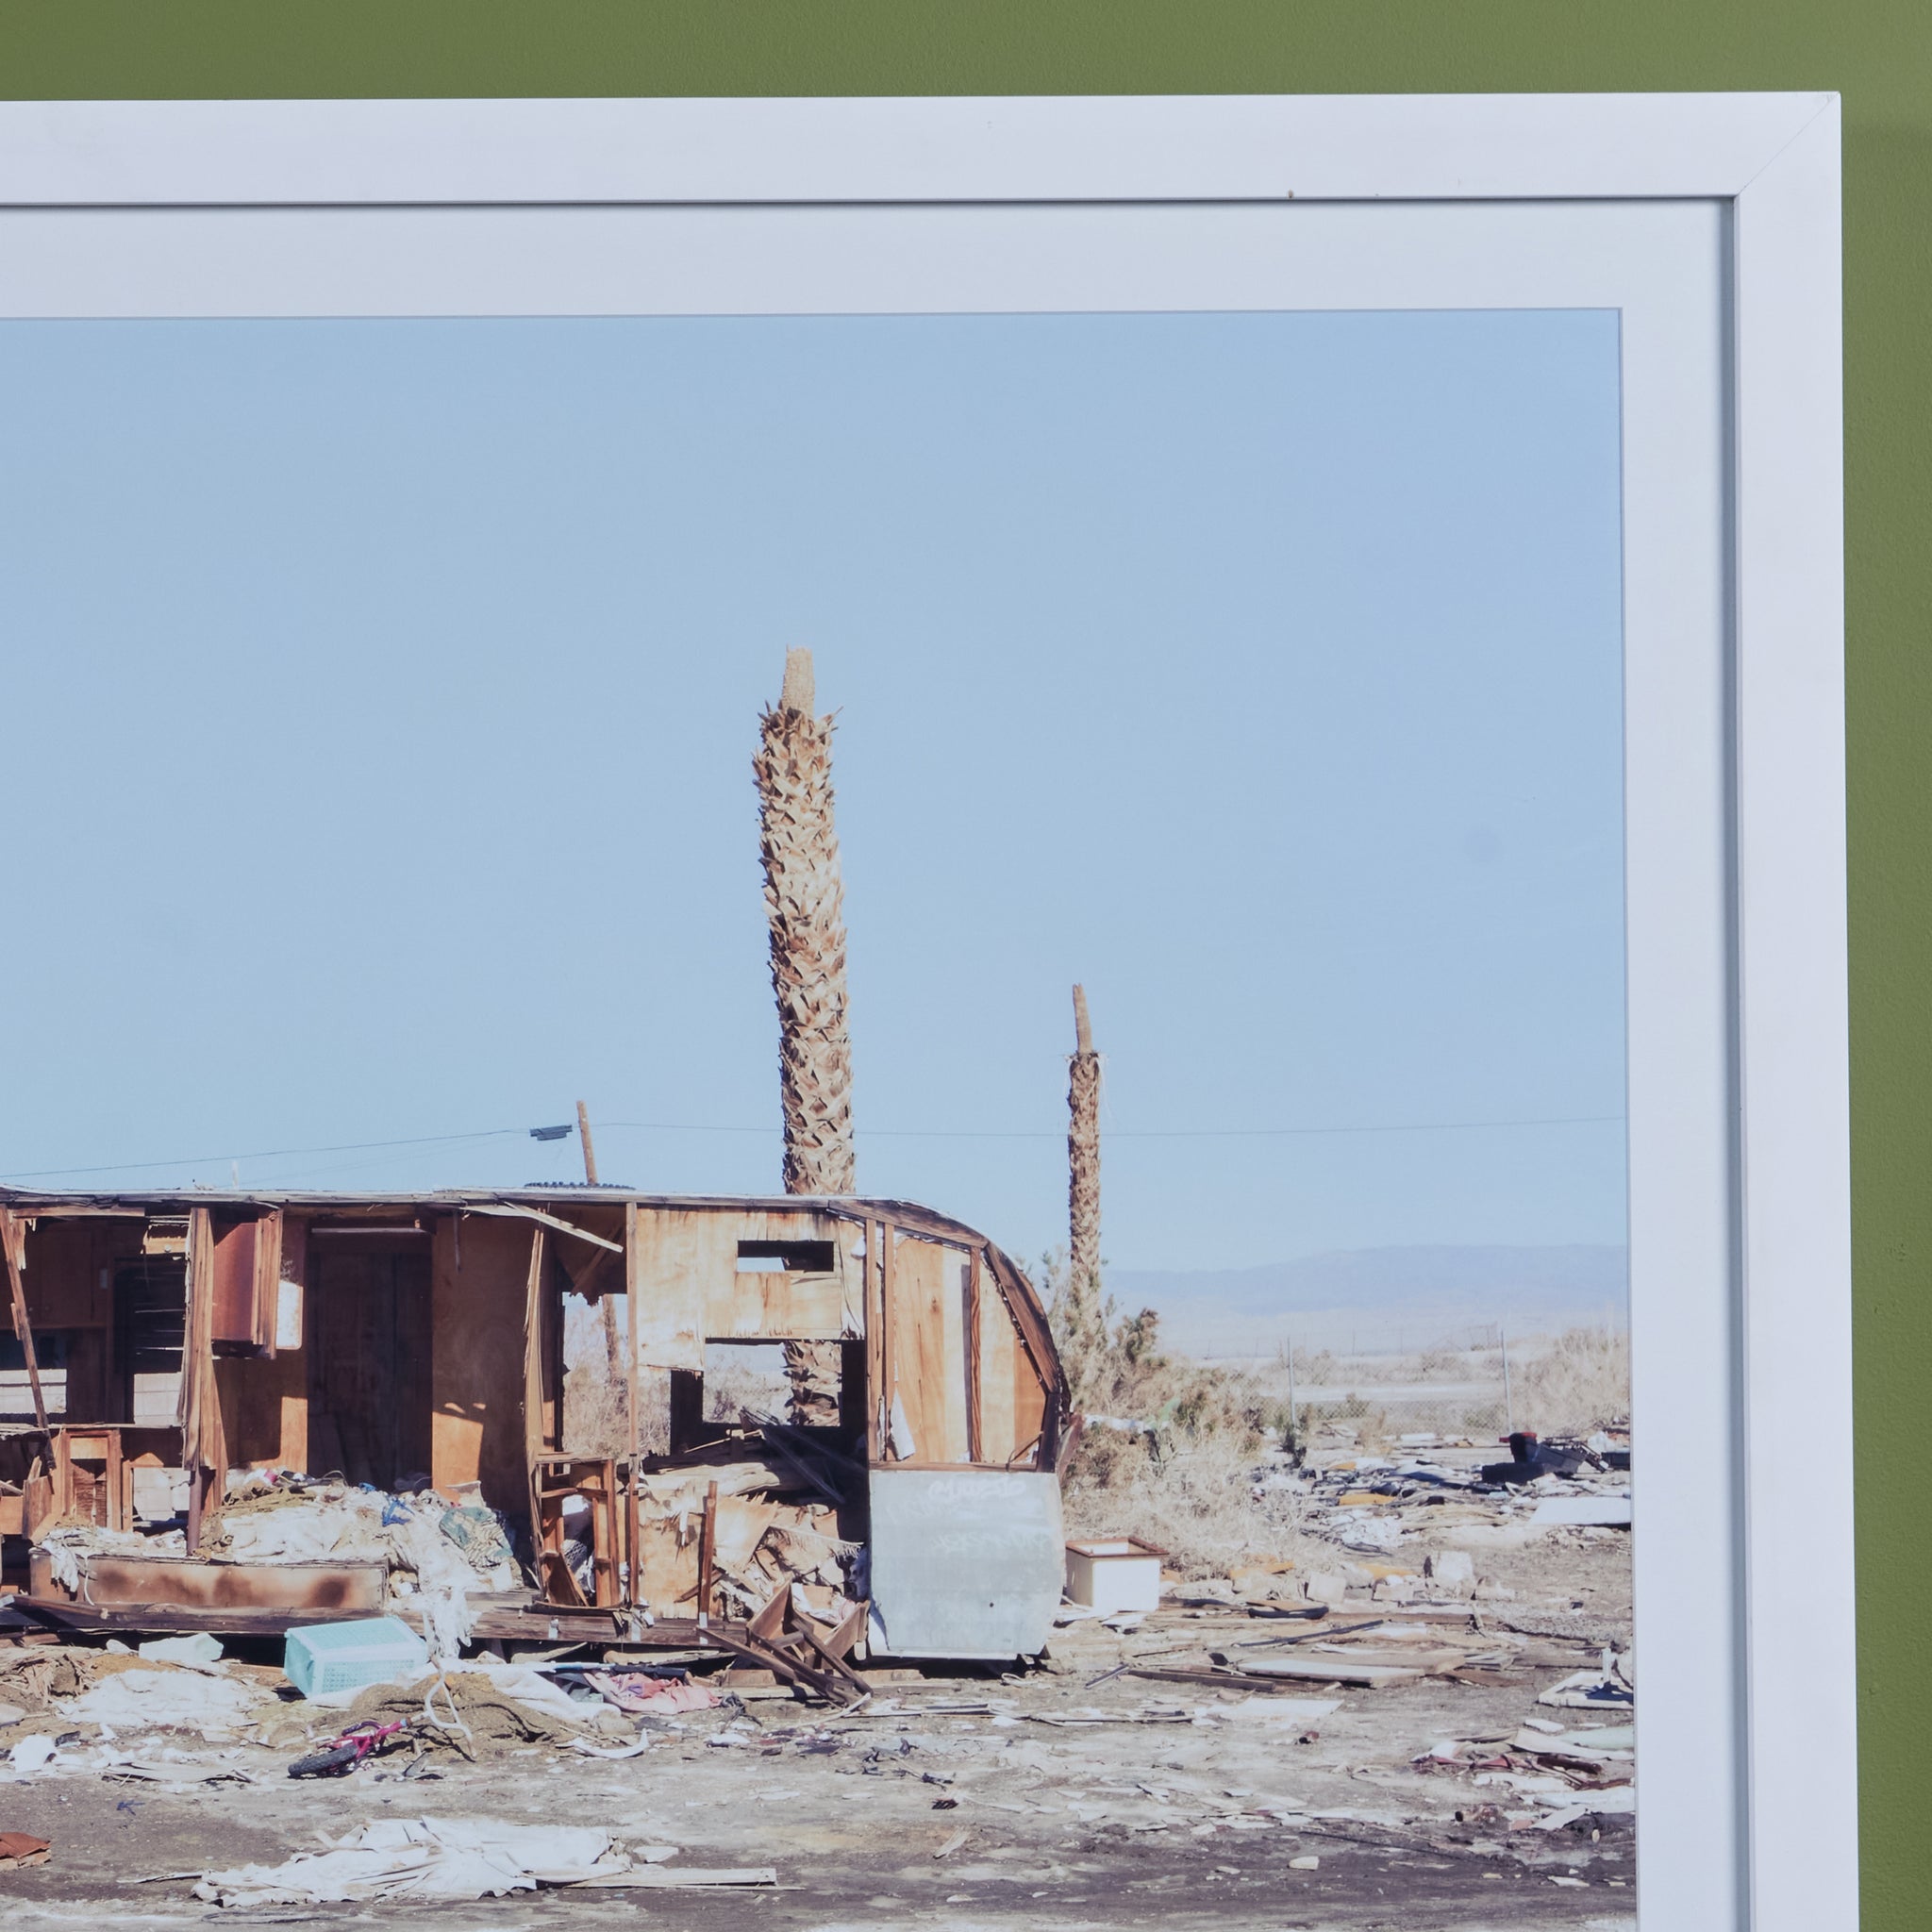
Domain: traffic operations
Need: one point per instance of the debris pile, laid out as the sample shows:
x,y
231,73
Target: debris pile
x,y
1544,1777
1375,1505
335,1522
434,1553
772,1523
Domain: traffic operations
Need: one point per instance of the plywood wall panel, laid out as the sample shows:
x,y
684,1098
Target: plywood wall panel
x,y
62,1277
685,1256
1029,1401
689,1286
667,1565
927,1357
999,1348
801,1307
476,1356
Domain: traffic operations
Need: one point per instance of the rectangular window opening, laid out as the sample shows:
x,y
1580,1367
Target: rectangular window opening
x,y
790,1257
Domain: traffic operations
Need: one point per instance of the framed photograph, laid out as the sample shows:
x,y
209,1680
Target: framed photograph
x,y
1350,586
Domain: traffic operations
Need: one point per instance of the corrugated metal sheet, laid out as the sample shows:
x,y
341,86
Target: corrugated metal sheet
x,y
965,1563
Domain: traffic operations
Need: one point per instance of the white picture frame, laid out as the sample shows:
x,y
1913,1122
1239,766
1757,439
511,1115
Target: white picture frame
x,y
1711,222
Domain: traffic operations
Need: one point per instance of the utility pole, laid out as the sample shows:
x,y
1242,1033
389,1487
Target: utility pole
x,y
804,906
589,1152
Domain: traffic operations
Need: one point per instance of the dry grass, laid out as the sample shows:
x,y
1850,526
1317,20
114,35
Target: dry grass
x,y
596,1410
1571,1383
738,1378
596,1413
1184,1476
1196,1499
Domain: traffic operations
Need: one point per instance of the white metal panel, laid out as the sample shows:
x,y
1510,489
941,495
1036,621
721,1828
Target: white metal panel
x,y
965,1563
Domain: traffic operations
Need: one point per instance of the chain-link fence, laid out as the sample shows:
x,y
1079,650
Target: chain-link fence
x,y
1391,1384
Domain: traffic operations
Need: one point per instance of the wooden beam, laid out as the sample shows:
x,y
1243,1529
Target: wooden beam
x,y
834,1662
973,1285
204,1441
844,1640
533,1390
770,1621
707,1544
876,1395
117,1489
633,1407
787,1670
888,1240
537,1214
13,1239
836,1683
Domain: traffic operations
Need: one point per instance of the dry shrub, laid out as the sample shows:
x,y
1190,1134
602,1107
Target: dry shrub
x,y
738,1377
1116,1367
596,1409
1183,1474
1194,1497
1316,1364
1572,1383
596,1414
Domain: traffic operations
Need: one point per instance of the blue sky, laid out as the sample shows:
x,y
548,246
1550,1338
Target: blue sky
x,y
381,698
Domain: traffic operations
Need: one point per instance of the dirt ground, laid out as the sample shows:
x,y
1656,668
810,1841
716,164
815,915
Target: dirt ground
x,y
1126,1802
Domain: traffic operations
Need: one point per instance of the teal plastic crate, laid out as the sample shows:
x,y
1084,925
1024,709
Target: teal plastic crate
x,y
321,1657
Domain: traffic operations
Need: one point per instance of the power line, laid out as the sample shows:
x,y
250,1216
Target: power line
x,y
868,1133
1578,1120
271,1154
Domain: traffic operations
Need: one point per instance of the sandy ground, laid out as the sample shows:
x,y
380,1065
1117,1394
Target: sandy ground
x,y
916,1818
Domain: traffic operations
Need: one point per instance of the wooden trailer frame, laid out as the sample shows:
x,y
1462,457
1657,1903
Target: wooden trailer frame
x,y
949,1366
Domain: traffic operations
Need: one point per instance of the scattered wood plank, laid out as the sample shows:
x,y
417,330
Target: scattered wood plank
x,y
844,1640
833,1660
1233,1680
707,1544
1338,1668
1401,1658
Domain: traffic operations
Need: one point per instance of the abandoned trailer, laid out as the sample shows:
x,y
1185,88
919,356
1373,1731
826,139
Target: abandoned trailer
x,y
235,1412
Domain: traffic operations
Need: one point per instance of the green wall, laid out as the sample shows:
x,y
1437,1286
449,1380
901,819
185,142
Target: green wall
x,y
1877,53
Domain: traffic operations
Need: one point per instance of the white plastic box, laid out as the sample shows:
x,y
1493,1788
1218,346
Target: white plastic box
x,y
321,1657
1114,1573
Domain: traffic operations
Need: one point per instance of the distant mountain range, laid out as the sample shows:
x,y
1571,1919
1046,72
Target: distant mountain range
x,y
1248,1311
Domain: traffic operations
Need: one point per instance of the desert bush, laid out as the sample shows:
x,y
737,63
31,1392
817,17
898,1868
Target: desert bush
x,y
596,1409
738,1377
1197,1499
1116,1367
1574,1382
1183,1474
1313,1364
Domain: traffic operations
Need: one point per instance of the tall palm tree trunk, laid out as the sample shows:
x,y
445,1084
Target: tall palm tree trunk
x,y
1083,1155
803,900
